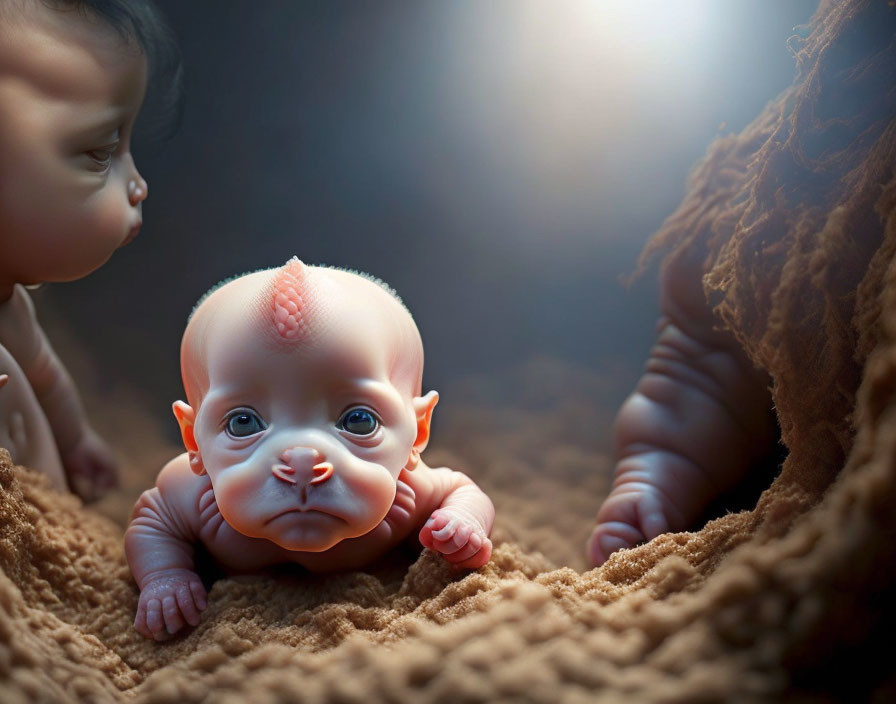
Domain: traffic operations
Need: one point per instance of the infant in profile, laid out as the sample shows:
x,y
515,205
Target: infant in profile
x,y
73,76
303,426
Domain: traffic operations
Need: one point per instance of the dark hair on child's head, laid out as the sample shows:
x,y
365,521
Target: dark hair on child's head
x,y
141,21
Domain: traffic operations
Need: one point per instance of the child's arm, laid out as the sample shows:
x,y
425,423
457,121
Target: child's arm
x,y
89,465
159,548
460,526
698,418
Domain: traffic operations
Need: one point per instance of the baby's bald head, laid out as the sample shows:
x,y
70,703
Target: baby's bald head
x,y
299,309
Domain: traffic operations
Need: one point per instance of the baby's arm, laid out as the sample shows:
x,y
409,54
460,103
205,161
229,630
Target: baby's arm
x,y
88,463
698,418
460,525
159,547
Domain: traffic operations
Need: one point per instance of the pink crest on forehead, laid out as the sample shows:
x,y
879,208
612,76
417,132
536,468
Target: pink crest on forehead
x,y
289,301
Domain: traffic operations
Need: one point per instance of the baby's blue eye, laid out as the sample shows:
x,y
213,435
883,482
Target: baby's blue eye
x,y
358,421
242,424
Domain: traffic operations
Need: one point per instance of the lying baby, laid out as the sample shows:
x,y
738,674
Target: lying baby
x,y
303,432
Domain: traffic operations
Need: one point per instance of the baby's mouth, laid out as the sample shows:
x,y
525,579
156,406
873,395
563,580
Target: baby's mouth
x,y
132,234
305,511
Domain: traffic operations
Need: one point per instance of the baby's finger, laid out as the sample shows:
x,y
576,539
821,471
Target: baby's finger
x,y
154,621
652,516
199,596
447,531
425,537
466,551
140,621
186,604
479,558
173,619
607,538
438,520
456,542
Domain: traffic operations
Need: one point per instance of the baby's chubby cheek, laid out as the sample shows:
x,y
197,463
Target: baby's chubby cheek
x,y
304,516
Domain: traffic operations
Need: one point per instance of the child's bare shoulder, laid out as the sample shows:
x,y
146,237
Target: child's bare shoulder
x,y
177,476
181,490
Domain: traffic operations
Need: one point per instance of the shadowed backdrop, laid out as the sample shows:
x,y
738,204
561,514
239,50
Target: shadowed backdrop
x,y
499,163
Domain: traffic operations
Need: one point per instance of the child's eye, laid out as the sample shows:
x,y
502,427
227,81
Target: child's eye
x,y
243,423
101,159
358,421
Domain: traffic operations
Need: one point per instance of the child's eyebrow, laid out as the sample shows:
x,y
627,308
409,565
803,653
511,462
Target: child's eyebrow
x,y
379,393
222,399
98,126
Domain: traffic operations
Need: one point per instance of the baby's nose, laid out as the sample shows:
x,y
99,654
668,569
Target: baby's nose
x,y
138,191
308,461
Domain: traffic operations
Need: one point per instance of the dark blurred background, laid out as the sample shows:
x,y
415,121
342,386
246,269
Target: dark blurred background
x,y
499,162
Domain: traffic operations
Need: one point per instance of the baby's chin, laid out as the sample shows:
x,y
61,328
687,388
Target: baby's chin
x,y
309,531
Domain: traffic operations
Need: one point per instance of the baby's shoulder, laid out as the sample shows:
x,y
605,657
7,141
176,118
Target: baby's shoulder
x,y
180,487
177,475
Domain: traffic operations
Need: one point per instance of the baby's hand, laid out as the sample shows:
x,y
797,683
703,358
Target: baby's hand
x,y
632,514
172,600
458,536
90,466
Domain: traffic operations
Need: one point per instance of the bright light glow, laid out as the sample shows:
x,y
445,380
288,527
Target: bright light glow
x,y
652,21
554,89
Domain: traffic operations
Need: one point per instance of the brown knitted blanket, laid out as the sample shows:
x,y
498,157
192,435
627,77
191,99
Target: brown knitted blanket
x,y
791,600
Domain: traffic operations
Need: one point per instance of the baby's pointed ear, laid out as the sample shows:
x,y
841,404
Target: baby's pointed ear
x,y
185,418
423,407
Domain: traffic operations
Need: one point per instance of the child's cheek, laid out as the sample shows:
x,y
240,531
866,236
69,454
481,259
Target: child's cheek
x,y
108,219
89,236
388,454
238,493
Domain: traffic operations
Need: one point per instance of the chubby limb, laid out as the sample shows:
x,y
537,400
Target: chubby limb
x,y
459,528
159,549
698,418
688,433
89,464
24,430
169,602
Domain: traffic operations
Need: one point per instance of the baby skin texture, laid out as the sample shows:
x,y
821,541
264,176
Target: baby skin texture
x,y
70,195
699,417
303,428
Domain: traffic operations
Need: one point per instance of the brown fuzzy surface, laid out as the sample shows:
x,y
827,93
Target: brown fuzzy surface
x,y
791,600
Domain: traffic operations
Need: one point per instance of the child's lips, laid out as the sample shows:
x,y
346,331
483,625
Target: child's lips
x,y
132,234
304,511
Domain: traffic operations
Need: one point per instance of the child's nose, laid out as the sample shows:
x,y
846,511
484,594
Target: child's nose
x,y
138,191
309,461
